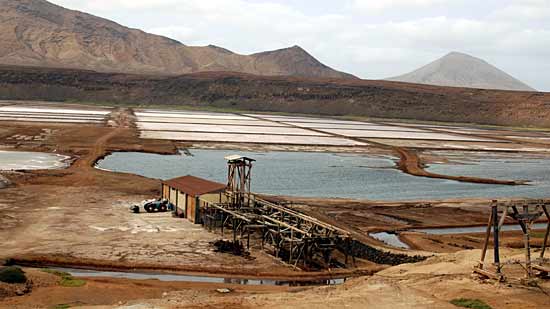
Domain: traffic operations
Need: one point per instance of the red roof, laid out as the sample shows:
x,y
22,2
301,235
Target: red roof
x,y
195,186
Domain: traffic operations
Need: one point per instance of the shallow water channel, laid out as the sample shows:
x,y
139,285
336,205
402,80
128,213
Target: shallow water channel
x,y
338,175
474,229
390,239
187,278
393,240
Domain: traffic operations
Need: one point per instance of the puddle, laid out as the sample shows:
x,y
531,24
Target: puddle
x,y
16,160
188,278
390,239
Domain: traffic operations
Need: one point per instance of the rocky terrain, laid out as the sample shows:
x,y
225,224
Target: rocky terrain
x,y
381,99
39,33
461,70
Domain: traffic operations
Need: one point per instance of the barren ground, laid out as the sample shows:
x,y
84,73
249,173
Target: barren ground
x,y
79,216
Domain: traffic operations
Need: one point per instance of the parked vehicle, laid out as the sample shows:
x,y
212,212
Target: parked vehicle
x,y
154,206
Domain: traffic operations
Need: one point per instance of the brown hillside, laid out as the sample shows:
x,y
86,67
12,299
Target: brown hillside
x,y
39,33
298,95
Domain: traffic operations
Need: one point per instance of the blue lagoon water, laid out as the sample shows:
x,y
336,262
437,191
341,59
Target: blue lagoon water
x,y
334,175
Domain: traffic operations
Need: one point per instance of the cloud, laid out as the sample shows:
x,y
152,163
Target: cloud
x,y
512,34
523,10
108,5
380,5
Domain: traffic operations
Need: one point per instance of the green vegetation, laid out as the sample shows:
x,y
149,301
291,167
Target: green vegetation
x,y
470,303
61,306
67,279
12,274
535,234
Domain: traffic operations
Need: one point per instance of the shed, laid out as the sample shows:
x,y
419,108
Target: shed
x,y
184,193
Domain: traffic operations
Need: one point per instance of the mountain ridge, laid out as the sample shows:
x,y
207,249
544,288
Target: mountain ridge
x,y
43,34
457,69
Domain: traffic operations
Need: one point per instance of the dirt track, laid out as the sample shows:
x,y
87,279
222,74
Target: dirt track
x,y
79,217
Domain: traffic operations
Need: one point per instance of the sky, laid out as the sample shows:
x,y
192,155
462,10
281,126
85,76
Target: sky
x,y
372,39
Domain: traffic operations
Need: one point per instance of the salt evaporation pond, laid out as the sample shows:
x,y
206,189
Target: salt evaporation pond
x,y
355,176
15,160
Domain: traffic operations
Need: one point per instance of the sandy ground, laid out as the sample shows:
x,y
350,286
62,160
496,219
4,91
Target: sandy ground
x,y
429,284
79,216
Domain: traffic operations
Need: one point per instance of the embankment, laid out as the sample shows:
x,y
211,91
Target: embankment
x,y
410,163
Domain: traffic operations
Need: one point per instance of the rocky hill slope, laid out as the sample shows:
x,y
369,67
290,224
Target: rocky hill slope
x,y
39,33
461,70
382,99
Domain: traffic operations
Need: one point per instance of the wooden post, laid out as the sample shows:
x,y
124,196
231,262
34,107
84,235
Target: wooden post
x,y
486,243
234,230
263,237
544,244
526,239
516,212
346,252
495,238
248,239
223,223
502,218
306,252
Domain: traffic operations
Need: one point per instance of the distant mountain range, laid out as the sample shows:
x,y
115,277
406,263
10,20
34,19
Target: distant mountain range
x,y
462,70
39,33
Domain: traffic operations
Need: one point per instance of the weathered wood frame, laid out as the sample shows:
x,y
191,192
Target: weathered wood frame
x,y
532,210
298,239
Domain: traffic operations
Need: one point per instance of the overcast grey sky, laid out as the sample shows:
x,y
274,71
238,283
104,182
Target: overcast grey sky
x,y
370,38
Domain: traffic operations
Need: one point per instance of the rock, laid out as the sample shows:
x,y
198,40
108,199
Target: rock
x,y
223,291
4,182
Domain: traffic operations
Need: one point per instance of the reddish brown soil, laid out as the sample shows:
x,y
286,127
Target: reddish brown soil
x,y
85,194
46,293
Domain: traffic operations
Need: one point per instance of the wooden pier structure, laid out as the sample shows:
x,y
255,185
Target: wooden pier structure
x,y
525,213
296,238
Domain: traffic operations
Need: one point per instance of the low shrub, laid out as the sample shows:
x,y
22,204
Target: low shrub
x,y
470,303
12,274
67,279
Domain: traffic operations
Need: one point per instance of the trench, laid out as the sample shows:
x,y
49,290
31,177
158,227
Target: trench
x,y
77,272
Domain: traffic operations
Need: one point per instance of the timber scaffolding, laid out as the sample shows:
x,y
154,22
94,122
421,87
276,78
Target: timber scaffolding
x,y
531,211
296,238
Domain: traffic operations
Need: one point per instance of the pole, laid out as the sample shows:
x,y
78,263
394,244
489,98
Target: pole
x,y
526,239
487,235
546,233
495,238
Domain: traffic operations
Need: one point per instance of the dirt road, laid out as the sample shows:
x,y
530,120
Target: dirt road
x,y
80,216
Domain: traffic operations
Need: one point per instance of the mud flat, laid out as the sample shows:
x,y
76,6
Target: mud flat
x,y
20,160
51,114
